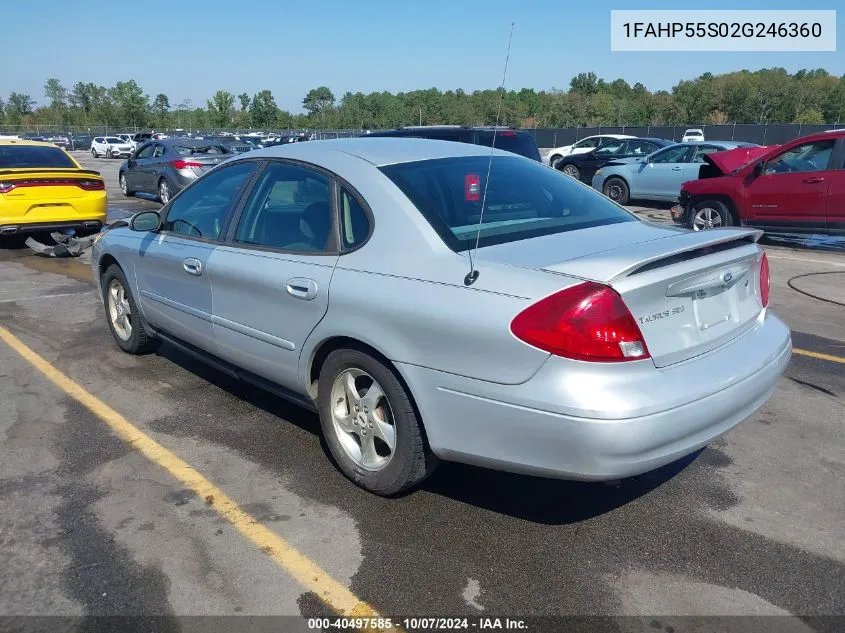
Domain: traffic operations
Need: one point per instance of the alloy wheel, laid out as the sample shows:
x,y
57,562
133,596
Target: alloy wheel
x,y
362,419
706,218
120,312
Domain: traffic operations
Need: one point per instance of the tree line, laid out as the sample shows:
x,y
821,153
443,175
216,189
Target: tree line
x,y
765,96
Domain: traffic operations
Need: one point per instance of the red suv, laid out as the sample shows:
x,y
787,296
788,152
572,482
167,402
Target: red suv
x,y
795,187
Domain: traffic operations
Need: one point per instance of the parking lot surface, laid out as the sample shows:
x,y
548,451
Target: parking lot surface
x,y
95,520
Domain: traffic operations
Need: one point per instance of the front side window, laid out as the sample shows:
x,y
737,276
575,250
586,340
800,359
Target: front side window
x,y
290,209
524,199
806,157
640,148
201,210
610,148
145,152
673,154
588,143
703,150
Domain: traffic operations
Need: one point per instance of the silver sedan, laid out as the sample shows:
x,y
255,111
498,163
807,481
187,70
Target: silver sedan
x,y
435,300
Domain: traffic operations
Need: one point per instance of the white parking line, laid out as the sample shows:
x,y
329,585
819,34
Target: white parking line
x,y
63,294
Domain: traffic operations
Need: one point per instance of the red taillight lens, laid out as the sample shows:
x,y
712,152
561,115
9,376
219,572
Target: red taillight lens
x,y
91,185
765,280
588,321
184,164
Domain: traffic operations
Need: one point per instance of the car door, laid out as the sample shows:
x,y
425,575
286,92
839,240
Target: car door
x,y
661,175
172,263
270,282
791,191
137,172
588,163
835,209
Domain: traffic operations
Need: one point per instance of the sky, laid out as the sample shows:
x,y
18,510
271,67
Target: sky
x,y
188,49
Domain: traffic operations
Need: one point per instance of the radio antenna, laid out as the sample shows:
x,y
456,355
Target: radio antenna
x,y
472,275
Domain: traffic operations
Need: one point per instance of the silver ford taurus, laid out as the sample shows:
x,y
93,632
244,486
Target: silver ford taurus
x,y
436,300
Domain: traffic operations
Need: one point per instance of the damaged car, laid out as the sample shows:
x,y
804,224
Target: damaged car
x,y
797,187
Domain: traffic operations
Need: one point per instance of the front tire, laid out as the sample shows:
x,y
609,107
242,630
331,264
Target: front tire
x,y
554,160
124,186
93,152
109,154
617,190
709,214
572,171
370,424
127,325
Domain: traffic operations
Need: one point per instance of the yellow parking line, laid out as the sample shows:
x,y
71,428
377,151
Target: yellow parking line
x,y
308,573
819,355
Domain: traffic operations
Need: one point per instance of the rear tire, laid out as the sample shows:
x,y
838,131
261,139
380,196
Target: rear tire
x,y
163,191
351,419
617,190
709,214
127,326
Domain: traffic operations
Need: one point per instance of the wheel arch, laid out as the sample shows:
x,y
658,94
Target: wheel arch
x,y
321,351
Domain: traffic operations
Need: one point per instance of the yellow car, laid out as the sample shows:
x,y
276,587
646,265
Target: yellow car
x,y
42,188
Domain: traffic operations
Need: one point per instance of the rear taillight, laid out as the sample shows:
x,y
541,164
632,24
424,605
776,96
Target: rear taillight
x,y
765,280
588,321
90,184
184,164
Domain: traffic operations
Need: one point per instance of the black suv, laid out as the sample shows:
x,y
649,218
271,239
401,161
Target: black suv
x,y
509,139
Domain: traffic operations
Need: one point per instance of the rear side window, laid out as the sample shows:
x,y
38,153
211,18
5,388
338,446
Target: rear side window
x,y
354,225
511,141
34,156
524,199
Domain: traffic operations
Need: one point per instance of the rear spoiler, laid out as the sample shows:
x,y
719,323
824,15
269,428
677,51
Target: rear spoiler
x,y
69,171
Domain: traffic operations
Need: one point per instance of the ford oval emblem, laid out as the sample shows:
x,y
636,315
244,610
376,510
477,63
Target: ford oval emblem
x,y
727,277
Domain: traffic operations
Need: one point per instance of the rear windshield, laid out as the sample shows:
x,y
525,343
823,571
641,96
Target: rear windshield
x,y
522,144
200,149
34,156
524,199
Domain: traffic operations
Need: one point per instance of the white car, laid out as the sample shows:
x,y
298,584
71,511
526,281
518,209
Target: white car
x,y
110,147
127,138
692,135
587,144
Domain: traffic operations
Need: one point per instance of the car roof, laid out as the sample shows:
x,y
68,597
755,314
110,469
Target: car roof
x,y
654,139
23,141
380,150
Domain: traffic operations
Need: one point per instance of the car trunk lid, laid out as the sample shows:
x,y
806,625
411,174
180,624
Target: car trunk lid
x,y
689,292
40,184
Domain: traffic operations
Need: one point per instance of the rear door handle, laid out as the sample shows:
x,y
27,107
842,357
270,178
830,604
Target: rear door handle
x,y
813,180
192,266
301,288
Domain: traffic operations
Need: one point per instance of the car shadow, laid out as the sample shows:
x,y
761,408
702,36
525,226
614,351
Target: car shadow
x,y
535,499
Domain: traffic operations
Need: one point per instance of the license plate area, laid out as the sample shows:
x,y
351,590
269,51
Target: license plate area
x,y
713,307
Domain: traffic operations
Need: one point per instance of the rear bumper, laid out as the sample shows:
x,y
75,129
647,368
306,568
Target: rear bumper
x,y
87,226
581,421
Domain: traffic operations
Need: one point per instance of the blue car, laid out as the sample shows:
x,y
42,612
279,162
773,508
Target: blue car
x,y
659,175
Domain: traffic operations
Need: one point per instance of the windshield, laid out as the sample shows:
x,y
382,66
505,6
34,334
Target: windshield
x,y
114,139
510,141
524,199
17,156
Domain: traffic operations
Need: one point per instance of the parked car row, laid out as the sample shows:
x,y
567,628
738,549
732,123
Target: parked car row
x,y
595,142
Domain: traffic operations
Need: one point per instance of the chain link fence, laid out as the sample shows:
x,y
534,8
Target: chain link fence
x,y
762,134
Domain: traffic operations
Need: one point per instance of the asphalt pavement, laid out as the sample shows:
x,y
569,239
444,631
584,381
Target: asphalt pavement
x,y
96,523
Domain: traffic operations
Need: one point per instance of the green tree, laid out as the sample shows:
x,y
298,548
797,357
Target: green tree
x,y
263,110
584,83
132,105
221,108
810,117
318,100
160,109
244,99
18,106
56,93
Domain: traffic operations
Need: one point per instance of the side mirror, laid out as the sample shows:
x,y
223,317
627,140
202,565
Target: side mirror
x,y
145,221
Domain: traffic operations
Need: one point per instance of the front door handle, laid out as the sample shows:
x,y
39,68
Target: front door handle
x,y
677,168
813,180
192,266
301,288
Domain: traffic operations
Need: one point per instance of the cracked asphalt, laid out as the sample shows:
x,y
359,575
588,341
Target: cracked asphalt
x,y
750,526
